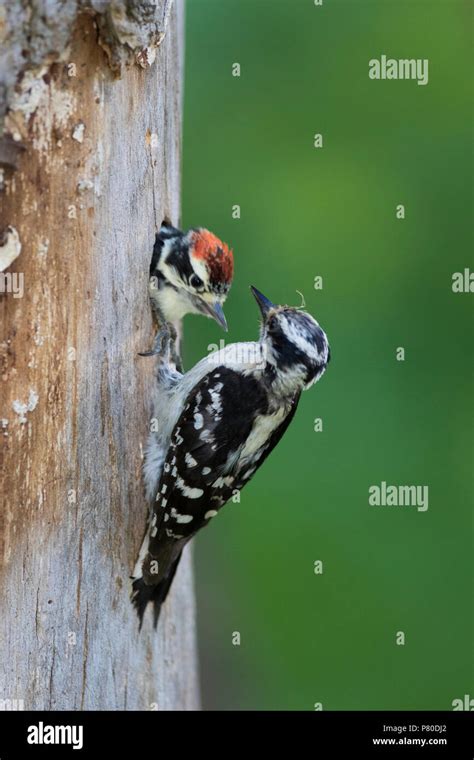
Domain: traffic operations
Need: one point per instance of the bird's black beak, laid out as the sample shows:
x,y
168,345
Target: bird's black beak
x,y
215,311
264,303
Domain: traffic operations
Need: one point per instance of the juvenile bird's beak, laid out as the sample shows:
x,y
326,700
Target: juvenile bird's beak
x,y
264,303
215,311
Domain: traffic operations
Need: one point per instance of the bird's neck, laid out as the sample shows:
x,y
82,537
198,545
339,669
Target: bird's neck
x,y
284,383
171,349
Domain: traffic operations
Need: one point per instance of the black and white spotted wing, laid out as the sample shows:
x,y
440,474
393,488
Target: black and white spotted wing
x,y
216,447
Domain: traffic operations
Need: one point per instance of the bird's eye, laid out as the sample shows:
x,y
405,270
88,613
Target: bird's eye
x,y
195,281
272,323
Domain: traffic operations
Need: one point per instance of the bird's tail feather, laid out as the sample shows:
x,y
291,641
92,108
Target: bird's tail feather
x,y
143,593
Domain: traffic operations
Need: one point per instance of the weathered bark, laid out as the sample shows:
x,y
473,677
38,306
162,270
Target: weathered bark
x,y
98,170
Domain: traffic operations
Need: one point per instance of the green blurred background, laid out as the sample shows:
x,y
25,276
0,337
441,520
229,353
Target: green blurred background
x,y
330,638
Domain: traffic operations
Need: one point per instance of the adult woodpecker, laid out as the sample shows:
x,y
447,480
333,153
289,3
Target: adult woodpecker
x,y
220,422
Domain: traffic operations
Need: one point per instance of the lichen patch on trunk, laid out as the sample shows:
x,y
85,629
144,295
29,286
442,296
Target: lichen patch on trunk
x,y
10,248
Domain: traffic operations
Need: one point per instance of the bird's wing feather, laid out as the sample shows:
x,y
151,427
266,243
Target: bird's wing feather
x,y
203,464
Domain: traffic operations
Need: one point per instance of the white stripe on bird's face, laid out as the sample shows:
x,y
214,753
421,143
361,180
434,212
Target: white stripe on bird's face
x,y
296,333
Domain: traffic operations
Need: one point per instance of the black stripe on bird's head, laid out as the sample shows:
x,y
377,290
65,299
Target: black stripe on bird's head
x,y
295,344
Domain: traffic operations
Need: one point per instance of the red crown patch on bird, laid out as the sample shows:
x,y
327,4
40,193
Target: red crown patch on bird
x,y
215,254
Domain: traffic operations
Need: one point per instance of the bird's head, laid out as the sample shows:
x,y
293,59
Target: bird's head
x,y
199,267
296,348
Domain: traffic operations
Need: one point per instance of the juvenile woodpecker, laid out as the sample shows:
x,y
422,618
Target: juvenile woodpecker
x,y
190,273
222,419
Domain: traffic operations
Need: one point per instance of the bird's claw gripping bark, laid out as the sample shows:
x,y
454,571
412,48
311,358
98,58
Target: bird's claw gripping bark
x,y
161,344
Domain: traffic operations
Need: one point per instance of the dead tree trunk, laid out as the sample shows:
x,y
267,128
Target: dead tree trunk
x,y
90,162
